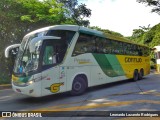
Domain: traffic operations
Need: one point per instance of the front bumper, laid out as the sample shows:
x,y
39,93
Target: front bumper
x,y
33,90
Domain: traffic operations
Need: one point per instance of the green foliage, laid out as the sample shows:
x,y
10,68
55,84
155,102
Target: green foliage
x,y
4,79
152,36
155,40
154,3
149,37
48,11
96,28
137,33
107,32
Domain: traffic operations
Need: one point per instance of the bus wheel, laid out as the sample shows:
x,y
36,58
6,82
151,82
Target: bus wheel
x,y
135,75
141,74
79,86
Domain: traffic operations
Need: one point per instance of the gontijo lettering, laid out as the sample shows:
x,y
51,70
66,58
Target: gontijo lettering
x,y
128,60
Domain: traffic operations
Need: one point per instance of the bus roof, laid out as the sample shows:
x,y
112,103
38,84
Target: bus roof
x,y
56,27
83,30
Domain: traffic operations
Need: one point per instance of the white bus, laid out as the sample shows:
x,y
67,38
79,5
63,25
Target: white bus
x,y
157,57
64,58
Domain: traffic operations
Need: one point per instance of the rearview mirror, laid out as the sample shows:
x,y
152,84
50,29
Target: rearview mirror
x,y
13,49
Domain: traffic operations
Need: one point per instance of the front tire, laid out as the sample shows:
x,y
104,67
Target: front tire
x,y
79,86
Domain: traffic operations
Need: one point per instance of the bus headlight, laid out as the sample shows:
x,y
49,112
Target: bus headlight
x,y
30,82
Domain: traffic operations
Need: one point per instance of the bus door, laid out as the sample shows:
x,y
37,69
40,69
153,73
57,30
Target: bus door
x,y
51,58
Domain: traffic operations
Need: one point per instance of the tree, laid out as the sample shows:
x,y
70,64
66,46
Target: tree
x,y
154,3
76,13
48,11
155,36
137,33
8,28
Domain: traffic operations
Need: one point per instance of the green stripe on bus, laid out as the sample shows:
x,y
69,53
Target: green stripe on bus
x,y
115,64
109,64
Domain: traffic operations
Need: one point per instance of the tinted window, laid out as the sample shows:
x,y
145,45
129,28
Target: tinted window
x,y
53,53
66,36
94,44
107,46
85,44
49,55
100,45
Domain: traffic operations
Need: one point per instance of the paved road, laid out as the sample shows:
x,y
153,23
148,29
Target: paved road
x,y
143,95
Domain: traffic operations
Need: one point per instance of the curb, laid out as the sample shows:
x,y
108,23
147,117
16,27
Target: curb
x,y
5,86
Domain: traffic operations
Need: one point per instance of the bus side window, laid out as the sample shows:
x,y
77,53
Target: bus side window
x,y
107,46
133,49
85,44
100,45
140,51
113,47
145,51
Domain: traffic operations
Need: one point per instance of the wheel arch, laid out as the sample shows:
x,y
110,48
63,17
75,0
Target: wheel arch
x,y
83,75
79,84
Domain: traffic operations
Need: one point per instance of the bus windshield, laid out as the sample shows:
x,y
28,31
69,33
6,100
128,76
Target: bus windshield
x,y
26,61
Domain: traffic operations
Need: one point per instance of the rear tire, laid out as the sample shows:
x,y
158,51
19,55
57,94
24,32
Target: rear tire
x,y
79,86
141,74
135,75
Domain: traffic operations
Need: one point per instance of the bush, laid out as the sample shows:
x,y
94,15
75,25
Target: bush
x,y
152,65
5,79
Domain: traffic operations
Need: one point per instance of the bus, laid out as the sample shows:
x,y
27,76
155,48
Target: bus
x,y
157,57
63,58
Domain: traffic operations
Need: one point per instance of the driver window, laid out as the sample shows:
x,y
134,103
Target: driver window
x,y
53,53
49,56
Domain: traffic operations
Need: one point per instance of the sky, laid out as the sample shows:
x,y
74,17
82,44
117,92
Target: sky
x,y
120,15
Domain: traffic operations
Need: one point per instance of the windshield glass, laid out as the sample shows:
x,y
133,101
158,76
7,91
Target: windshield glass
x,y
26,61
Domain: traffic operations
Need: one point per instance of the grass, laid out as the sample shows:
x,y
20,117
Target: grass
x,y
5,79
